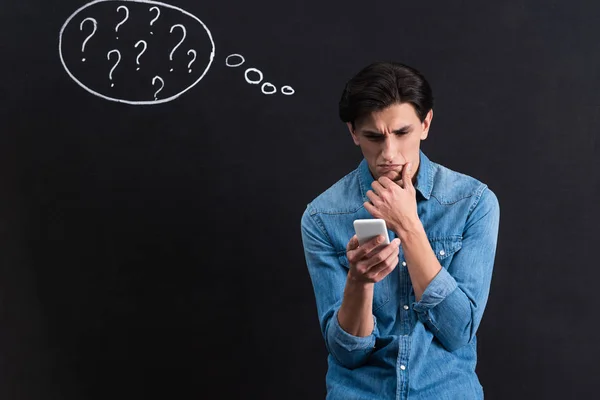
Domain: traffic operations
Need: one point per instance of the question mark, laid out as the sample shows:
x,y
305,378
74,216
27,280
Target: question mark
x,y
137,60
125,19
161,88
115,66
155,18
178,44
190,64
90,35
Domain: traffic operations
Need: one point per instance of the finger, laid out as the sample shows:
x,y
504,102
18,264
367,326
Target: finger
x,y
386,180
387,267
406,175
380,252
385,259
377,187
352,244
371,246
371,209
374,197
360,253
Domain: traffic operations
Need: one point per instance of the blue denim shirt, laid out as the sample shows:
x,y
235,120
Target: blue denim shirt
x,y
417,350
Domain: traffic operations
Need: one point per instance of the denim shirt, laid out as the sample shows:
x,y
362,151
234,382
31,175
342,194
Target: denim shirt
x,y
423,349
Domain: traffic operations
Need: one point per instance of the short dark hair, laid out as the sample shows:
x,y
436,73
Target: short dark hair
x,y
382,84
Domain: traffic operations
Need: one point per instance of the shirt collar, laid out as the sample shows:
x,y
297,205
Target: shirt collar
x,y
424,182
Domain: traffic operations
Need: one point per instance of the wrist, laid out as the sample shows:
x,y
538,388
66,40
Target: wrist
x,y
355,284
409,230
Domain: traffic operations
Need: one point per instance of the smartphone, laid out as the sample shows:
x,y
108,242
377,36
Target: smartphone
x,y
367,229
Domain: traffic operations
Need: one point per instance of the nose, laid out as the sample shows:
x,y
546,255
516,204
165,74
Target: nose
x,y
389,150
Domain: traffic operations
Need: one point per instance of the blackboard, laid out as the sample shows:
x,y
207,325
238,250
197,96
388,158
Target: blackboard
x,y
150,228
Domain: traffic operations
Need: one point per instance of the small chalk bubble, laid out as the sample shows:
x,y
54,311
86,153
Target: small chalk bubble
x,y
171,70
83,59
255,81
189,71
113,85
272,88
242,60
287,90
137,69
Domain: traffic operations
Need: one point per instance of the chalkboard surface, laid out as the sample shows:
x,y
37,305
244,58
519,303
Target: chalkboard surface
x,y
155,160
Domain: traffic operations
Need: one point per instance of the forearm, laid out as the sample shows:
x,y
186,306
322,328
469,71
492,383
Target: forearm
x,y
421,262
352,331
355,315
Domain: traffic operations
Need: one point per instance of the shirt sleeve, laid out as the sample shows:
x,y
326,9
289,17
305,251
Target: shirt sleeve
x,y
452,305
328,278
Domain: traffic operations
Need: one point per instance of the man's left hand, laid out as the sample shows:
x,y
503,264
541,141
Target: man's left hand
x,y
396,203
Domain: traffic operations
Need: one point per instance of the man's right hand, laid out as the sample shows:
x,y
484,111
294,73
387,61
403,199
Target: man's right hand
x,y
371,262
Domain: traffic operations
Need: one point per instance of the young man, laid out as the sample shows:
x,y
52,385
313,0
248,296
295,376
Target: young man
x,y
399,321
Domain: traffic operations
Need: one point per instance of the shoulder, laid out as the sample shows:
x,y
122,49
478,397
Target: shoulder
x,y
341,197
450,186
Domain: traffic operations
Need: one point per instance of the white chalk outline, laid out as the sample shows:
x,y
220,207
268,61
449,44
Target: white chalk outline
x,y
191,62
155,18
262,88
291,90
90,35
137,60
115,66
161,88
142,102
181,41
253,70
234,55
122,22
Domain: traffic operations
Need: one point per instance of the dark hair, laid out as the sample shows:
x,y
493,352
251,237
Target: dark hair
x,y
382,84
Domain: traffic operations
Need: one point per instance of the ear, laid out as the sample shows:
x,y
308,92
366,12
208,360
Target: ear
x,y
354,136
426,124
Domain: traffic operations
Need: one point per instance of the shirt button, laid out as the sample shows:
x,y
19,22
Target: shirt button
x,y
405,307
442,252
404,263
402,367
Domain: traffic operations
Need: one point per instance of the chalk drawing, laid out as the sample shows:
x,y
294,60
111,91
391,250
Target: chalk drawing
x,y
137,59
161,88
124,19
95,26
193,52
115,66
267,87
155,18
125,12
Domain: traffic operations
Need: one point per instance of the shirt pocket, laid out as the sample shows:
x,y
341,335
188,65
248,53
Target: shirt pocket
x,y
381,290
445,248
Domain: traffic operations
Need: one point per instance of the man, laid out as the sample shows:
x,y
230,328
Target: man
x,y
400,321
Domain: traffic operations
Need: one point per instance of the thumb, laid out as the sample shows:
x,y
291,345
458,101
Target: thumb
x,y
352,244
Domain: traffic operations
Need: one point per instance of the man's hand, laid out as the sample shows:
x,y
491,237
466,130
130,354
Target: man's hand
x,y
371,262
396,203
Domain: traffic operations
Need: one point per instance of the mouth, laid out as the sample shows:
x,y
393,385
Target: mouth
x,y
389,167
392,171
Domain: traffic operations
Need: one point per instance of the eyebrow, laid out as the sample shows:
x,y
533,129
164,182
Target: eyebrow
x,y
404,129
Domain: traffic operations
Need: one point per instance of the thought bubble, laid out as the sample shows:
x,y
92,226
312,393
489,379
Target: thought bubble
x,y
254,76
161,51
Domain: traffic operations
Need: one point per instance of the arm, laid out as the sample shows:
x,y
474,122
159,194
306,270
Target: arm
x,y
452,303
354,310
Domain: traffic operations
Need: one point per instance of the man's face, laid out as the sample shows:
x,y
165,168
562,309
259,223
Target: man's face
x,y
391,138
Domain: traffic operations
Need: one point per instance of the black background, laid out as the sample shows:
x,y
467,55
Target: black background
x,y
155,250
